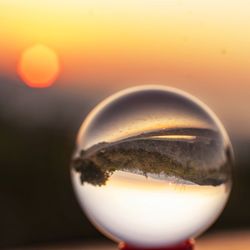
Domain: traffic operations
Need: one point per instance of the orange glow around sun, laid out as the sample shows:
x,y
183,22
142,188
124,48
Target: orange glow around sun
x,y
38,66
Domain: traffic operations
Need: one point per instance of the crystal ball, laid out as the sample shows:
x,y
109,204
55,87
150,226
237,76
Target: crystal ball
x,y
152,166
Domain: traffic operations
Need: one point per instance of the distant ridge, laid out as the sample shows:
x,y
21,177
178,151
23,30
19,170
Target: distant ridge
x,y
202,160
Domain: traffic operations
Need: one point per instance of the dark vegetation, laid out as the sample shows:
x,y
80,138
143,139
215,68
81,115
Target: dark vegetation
x,y
202,160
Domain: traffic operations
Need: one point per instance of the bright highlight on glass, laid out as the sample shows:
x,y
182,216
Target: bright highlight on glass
x,y
38,66
152,166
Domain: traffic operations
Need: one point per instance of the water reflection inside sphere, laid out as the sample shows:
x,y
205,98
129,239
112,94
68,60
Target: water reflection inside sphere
x,y
152,166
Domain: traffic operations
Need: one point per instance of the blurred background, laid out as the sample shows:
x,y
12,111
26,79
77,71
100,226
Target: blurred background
x,y
58,59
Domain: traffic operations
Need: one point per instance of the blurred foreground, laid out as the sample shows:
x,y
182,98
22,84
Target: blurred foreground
x,y
219,241
37,131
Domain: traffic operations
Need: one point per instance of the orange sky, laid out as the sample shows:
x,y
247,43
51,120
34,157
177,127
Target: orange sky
x,y
199,46
116,39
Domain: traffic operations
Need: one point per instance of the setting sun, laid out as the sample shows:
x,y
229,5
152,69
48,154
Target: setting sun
x,y
38,66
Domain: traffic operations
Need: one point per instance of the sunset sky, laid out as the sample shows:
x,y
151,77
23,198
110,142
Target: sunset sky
x,y
199,46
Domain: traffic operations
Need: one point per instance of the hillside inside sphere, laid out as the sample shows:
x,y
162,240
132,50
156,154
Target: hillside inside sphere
x,y
152,166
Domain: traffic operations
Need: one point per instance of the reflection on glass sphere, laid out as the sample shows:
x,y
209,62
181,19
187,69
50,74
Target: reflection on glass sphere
x,y
152,166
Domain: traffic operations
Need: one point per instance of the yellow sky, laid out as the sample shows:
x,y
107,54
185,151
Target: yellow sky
x,y
124,38
201,46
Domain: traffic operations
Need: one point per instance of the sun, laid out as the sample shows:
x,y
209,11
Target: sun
x,y
38,66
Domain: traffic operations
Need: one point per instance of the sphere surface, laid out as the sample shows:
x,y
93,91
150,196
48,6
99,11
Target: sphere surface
x,y
152,166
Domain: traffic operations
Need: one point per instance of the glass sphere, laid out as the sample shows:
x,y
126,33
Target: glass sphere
x,y
152,166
